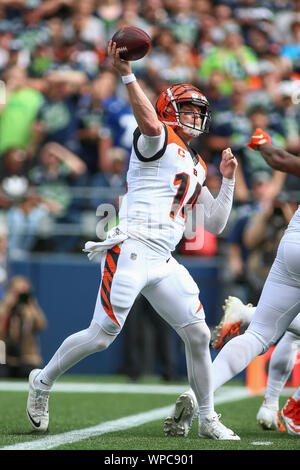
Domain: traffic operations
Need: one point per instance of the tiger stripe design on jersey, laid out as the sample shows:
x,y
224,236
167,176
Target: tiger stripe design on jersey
x,y
110,268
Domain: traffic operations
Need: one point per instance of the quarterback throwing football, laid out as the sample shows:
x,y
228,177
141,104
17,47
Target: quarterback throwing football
x,y
165,177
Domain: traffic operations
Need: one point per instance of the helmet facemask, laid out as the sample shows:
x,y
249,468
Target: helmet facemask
x,y
172,112
204,115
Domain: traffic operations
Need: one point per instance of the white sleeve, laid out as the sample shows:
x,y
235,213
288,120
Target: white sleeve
x,y
148,146
217,210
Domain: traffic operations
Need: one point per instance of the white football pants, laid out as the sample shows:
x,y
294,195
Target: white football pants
x,y
129,269
278,305
132,268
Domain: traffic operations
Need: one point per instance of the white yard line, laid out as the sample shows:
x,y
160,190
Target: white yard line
x,y
79,434
22,386
98,387
224,395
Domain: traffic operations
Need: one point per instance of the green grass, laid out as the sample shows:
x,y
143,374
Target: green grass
x,y
71,411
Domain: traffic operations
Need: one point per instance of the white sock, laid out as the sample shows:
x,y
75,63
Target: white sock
x,y
196,339
71,351
249,312
272,394
234,357
280,367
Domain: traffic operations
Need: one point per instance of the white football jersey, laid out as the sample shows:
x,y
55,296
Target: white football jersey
x,y
159,189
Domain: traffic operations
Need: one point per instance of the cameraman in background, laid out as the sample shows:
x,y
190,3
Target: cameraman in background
x,y
20,320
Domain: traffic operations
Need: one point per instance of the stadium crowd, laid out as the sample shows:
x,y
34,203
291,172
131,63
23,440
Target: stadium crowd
x,y
66,125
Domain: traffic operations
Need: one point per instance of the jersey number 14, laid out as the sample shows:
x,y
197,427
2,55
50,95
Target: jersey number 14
x,y
182,180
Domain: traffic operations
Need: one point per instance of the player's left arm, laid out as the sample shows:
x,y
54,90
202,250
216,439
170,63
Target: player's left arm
x,y
228,164
217,210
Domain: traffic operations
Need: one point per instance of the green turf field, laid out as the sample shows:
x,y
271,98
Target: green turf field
x,y
108,413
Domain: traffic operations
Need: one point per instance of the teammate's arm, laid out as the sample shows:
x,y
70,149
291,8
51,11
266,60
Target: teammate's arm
x,y
280,159
277,158
142,107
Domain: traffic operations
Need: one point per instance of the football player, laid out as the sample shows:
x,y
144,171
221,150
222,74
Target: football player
x,y
278,305
236,319
165,177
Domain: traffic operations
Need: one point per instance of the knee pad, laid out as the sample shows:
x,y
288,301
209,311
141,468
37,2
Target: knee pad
x,y
197,334
100,340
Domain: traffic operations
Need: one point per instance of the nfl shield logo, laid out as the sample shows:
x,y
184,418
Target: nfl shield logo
x,y
133,256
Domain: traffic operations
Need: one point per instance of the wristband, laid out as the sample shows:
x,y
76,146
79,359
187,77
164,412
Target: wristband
x,y
126,79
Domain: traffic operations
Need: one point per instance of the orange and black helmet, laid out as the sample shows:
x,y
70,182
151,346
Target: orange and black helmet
x,y
170,100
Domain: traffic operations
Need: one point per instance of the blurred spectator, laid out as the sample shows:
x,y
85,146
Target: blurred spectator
x,y
95,135
250,12
259,40
54,177
109,12
114,178
284,20
6,38
24,211
238,253
118,119
155,14
200,7
84,26
271,218
182,22
14,183
230,128
24,220
131,16
291,50
233,58
21,319
209,34
90,119
21,109
181,68
34,27
164,44
57,118
56,31
212,91
42,59
265,91
288,115
223,13
250,162
53,173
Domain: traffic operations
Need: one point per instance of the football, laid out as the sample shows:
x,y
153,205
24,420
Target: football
x,y
133,43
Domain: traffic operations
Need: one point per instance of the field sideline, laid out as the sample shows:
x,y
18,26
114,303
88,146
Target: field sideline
x,y
95,415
